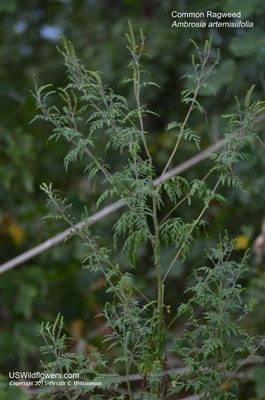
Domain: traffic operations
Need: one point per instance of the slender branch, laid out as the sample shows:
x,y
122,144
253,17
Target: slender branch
x,y
201,78
203,210
35,251
88,241
192,229
180,136
137,377
101,214
59,238
250,360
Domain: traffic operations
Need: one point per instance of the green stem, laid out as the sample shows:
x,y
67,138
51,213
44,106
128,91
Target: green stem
x,y
180,135
192,228
127,377
220,329
187,195
156,245
84,239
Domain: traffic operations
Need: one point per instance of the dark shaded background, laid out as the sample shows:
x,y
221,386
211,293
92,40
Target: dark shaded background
x,y
55,282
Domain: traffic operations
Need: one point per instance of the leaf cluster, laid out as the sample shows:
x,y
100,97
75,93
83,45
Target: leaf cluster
x,y
214,338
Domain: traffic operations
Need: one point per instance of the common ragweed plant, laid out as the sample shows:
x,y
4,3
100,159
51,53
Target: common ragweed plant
x,y
137,323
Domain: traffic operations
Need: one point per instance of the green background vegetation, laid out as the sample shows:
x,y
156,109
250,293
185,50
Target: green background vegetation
x,y
54,281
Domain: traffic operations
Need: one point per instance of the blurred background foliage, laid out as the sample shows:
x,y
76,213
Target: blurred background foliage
x,y
55,281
